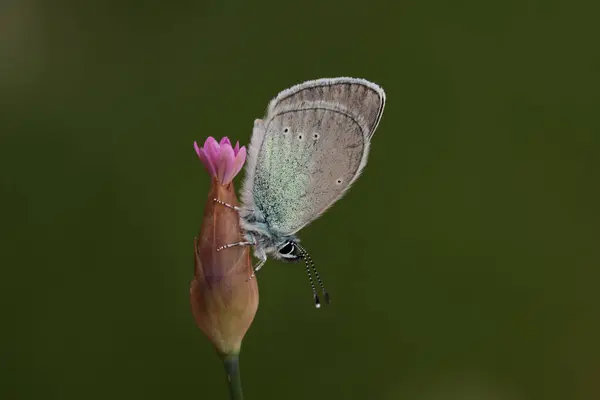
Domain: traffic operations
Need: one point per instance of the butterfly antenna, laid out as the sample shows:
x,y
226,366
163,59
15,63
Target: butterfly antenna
x,y
308,260
312,285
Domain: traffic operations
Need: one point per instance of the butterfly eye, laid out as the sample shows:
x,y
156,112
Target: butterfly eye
x,y
287,249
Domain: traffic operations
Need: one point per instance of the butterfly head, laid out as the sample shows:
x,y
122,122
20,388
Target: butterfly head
x,y
290,251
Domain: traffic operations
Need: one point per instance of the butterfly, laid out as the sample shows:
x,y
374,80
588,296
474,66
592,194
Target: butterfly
x,y
303,156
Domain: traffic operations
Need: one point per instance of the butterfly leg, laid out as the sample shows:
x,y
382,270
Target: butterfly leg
x,y
258,266
226,246
236,208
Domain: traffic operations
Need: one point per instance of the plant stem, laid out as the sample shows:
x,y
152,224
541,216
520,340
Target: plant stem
x,y
232,369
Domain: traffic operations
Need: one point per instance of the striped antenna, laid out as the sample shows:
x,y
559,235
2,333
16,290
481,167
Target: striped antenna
x,y
308,260
312,285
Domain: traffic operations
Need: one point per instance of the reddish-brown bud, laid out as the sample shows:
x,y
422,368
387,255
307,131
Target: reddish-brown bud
x,y
224,302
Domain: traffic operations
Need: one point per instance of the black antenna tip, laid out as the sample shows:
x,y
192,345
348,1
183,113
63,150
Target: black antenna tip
x,y
327,298
317,302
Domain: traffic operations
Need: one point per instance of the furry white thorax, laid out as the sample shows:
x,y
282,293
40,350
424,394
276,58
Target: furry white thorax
x,y
266,242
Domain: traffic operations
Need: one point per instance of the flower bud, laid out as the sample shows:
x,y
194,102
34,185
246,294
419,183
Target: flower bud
x,y
224,302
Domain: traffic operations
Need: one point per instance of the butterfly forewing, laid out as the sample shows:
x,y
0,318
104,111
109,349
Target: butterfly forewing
x,y
358,96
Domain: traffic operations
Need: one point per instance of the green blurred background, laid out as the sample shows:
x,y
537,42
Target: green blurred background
x,y
463,265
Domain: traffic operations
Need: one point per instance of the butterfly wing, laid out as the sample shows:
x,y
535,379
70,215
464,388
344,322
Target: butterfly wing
x,y
311,147
358,96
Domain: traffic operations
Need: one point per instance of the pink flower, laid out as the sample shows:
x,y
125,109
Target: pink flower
x,y
224,302
221,159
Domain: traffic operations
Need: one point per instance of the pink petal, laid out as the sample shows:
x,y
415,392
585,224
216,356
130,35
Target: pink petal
x,y
207,163
211,147
236,149
225,165
211,141
240,158
225,141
